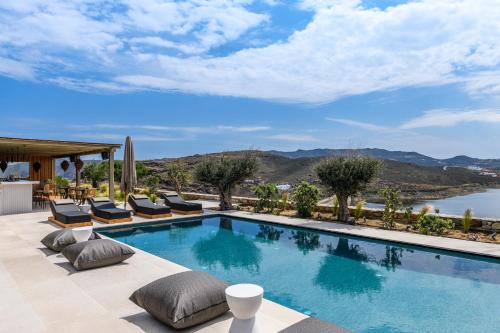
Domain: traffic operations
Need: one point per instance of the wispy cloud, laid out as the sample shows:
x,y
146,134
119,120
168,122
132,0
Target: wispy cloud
x,y
114,136
292,137
188,129
449,118
363,125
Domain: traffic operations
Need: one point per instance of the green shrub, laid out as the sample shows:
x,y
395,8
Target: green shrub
x,y
119,195
392,203
433,223
408,214
467,220
306,197
178,175
268,195
61,181
152,182
358,211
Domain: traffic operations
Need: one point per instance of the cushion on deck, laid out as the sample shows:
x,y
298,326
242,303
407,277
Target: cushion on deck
x,y
96,253
59,239
183,300
314,325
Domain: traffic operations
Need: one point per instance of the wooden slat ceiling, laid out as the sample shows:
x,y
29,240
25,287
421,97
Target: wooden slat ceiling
x,y
51,148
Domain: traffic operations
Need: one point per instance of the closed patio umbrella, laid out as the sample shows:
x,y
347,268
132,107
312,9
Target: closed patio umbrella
x,y
129,175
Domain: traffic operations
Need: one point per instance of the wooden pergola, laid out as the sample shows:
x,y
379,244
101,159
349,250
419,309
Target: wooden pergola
x,y
45,152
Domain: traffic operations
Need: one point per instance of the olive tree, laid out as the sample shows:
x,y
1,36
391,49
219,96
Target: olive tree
x,y
224,173
346,176
178,175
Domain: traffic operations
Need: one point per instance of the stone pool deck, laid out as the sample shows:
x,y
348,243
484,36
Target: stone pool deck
x,y
41,292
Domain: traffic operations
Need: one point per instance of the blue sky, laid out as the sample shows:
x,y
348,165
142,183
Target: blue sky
x,y
187,77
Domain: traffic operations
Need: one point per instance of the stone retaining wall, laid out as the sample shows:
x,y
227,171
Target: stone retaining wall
x,y
484,224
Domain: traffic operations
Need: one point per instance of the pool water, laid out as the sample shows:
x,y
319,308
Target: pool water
x,y
361,284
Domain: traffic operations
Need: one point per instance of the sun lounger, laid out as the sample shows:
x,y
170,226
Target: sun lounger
x,y
66,214
103,210
180,206
145,208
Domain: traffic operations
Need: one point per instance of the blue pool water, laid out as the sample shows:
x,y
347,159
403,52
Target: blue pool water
x,y
364,285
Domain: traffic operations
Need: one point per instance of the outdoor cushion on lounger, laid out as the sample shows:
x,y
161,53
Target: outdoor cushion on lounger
x,y
59,239
65,211
314,325
142,204
177,203
105,209
96,253
184,299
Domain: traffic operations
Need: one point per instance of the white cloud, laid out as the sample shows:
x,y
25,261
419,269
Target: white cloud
x,y
114,136
244,128
292,137
9,67
345,50
363,125
449,118
186,129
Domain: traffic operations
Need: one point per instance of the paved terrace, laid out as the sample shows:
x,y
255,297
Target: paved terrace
x,y
41,292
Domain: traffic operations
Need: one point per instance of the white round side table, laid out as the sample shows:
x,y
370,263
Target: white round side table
x,y
244,301
82,234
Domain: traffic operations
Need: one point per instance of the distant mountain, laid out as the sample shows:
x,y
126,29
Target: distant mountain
x,y
415,181
400,156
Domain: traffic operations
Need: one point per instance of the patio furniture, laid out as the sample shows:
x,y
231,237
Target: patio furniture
x,y
82,234
184,299
180,206
84,208
103,210
66,214
244,300
315,325
59,239
96,253
145,208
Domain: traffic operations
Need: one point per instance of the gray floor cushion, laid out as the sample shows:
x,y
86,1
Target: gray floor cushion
x,y
59,239
96,253
183,300
314,325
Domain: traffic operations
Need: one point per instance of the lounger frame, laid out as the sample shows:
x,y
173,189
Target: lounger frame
x,y
111,221
155,216
69,225
183,212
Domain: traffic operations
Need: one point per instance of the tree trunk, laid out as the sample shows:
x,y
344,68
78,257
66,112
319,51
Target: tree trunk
x,y
343,211
225,200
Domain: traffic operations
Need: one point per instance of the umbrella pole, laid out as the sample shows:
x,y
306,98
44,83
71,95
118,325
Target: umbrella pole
x,y
125,204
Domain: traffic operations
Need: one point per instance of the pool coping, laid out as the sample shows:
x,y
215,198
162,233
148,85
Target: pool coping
x,y
433,242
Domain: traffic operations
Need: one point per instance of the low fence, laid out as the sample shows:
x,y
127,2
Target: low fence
x,y
483,224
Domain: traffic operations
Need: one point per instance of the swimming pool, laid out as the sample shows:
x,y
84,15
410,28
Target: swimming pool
x,y
361,284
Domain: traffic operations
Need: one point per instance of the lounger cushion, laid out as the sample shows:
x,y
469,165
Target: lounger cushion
x,y
59,239
183,300
314,325
145,206
72,217
96,253
177,203
111,213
